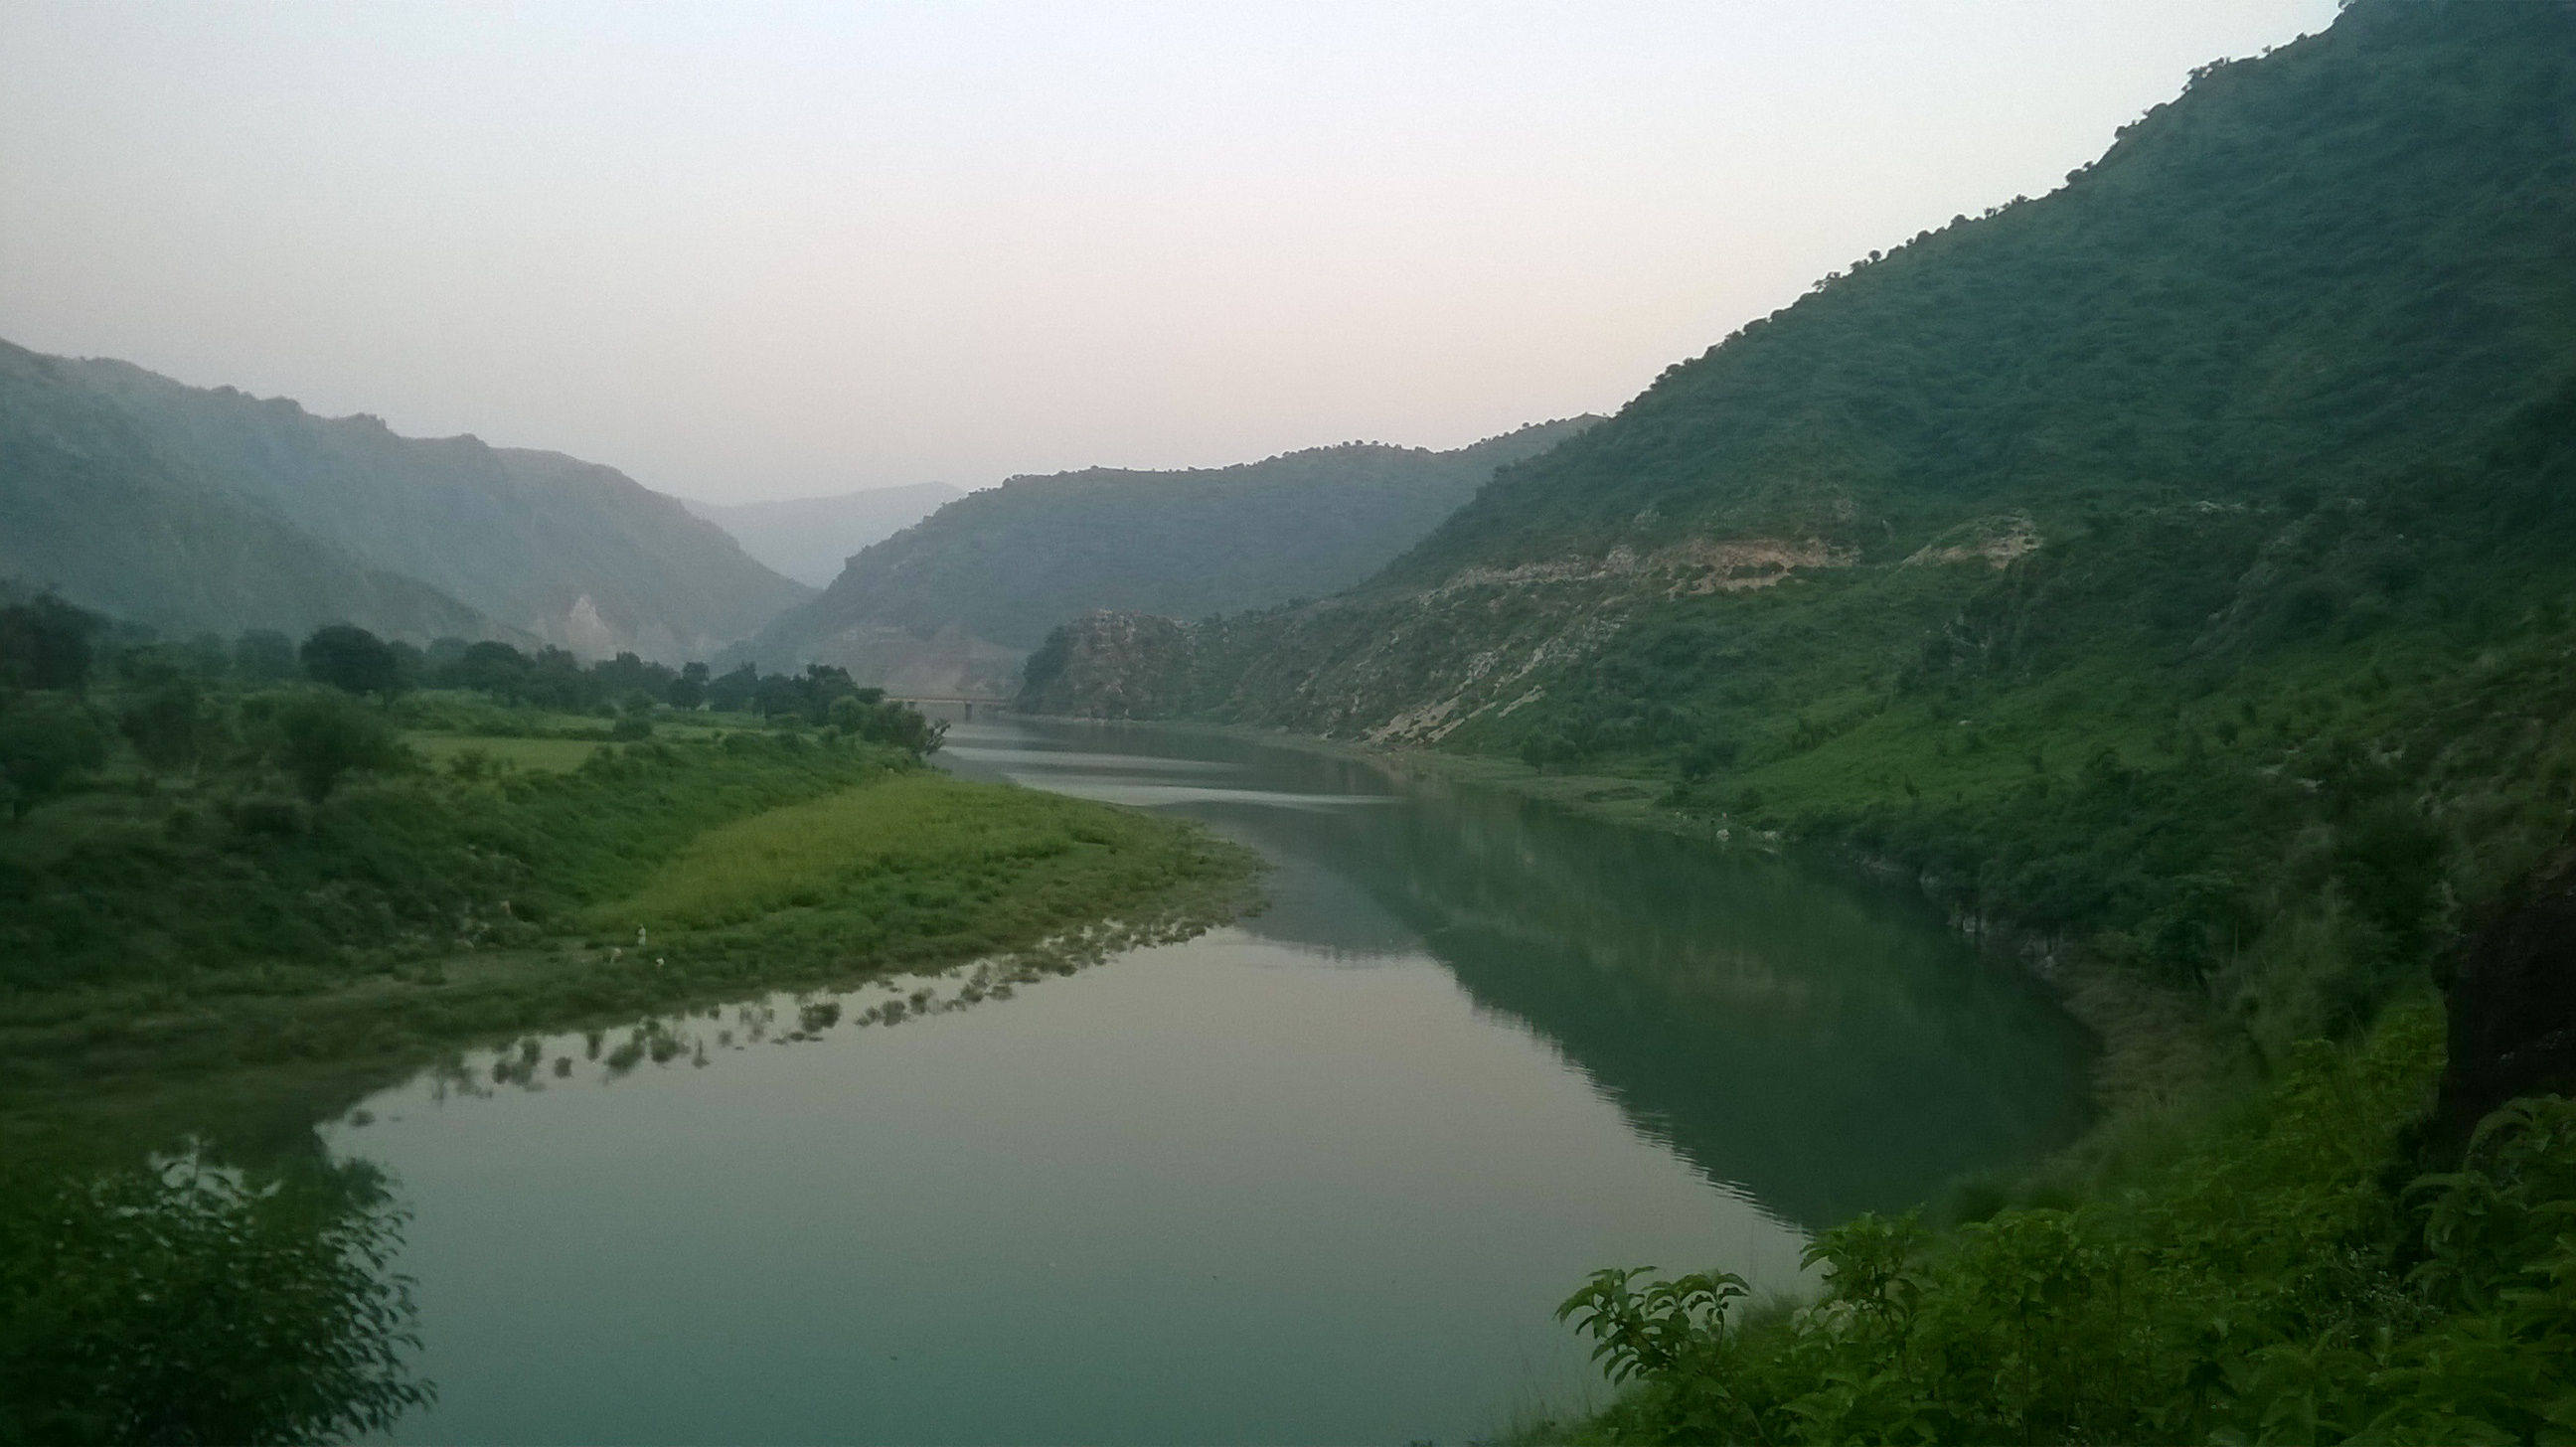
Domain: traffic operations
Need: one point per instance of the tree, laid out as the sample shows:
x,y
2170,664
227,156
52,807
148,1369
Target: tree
x,y
45,742
1548,746
181,1303
867,715
351,659
733,692
325,737
263,655
44,643
690,688
494,668
168,725
1707,757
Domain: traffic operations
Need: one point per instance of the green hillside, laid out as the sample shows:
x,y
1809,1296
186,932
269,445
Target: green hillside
x,y
957,599
191,509
2144,568
2175,578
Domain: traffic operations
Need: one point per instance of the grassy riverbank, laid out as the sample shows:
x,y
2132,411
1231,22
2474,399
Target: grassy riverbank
x,y
207,931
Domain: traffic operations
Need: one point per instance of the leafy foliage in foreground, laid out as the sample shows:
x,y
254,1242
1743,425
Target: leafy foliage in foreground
x,y
177,1302
2273,1287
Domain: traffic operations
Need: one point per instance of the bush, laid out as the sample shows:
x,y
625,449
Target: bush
x,y
179,1304
46,741
324,738
2262,1293
351,659
168,726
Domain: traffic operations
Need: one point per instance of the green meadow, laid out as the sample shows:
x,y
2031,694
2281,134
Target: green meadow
x,y
540,755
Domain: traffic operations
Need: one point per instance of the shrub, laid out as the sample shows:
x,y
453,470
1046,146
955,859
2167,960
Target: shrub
x,y
179,1304
46,741
324,738
351,659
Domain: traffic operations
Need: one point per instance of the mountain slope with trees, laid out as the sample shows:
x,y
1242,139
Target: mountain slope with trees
x,y
2174,577
961,596
2176,570
195,509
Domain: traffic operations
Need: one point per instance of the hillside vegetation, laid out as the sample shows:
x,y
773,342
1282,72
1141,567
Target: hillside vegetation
x,y
208,863
2175,576
953,603
2143,566
210,510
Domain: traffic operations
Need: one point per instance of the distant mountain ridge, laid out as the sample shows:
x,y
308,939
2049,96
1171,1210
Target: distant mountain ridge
x,y
952,604
207,509
810,539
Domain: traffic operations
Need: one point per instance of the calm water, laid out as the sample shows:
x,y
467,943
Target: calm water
x,y
1319,1177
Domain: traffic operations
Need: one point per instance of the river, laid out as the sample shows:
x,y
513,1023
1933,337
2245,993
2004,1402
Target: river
x,y
1319,1176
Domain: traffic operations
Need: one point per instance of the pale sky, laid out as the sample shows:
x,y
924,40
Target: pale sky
x,y
747,251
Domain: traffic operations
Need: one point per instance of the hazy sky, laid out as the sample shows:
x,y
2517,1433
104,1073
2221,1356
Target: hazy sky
x,y
767,250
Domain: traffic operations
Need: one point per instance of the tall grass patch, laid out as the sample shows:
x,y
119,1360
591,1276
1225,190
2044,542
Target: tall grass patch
x,y
918,831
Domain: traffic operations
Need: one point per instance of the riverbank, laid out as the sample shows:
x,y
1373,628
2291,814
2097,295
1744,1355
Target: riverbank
x,y
197,974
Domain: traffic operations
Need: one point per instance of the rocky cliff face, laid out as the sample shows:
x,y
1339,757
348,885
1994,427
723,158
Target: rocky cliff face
x,y
1406,666
1112,665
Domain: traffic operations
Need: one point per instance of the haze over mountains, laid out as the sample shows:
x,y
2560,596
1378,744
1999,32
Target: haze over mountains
x,y
951,606
810,538
192,509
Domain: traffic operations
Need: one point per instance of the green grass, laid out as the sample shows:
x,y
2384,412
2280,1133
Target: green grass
x,y
536,755
899,834
917,870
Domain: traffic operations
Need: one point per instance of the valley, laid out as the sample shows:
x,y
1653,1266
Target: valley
x,y
1988,858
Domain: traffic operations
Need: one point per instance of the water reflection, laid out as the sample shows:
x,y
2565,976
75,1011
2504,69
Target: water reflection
x,y
1825,1047
1316,1177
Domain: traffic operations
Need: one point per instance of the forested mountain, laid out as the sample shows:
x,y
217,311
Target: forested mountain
x,y
2141,565
957,600
810,538
191,509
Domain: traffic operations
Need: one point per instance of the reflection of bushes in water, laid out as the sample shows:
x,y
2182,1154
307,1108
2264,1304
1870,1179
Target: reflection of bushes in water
x,y
181,1304
520,1068
663,1040
627,1055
